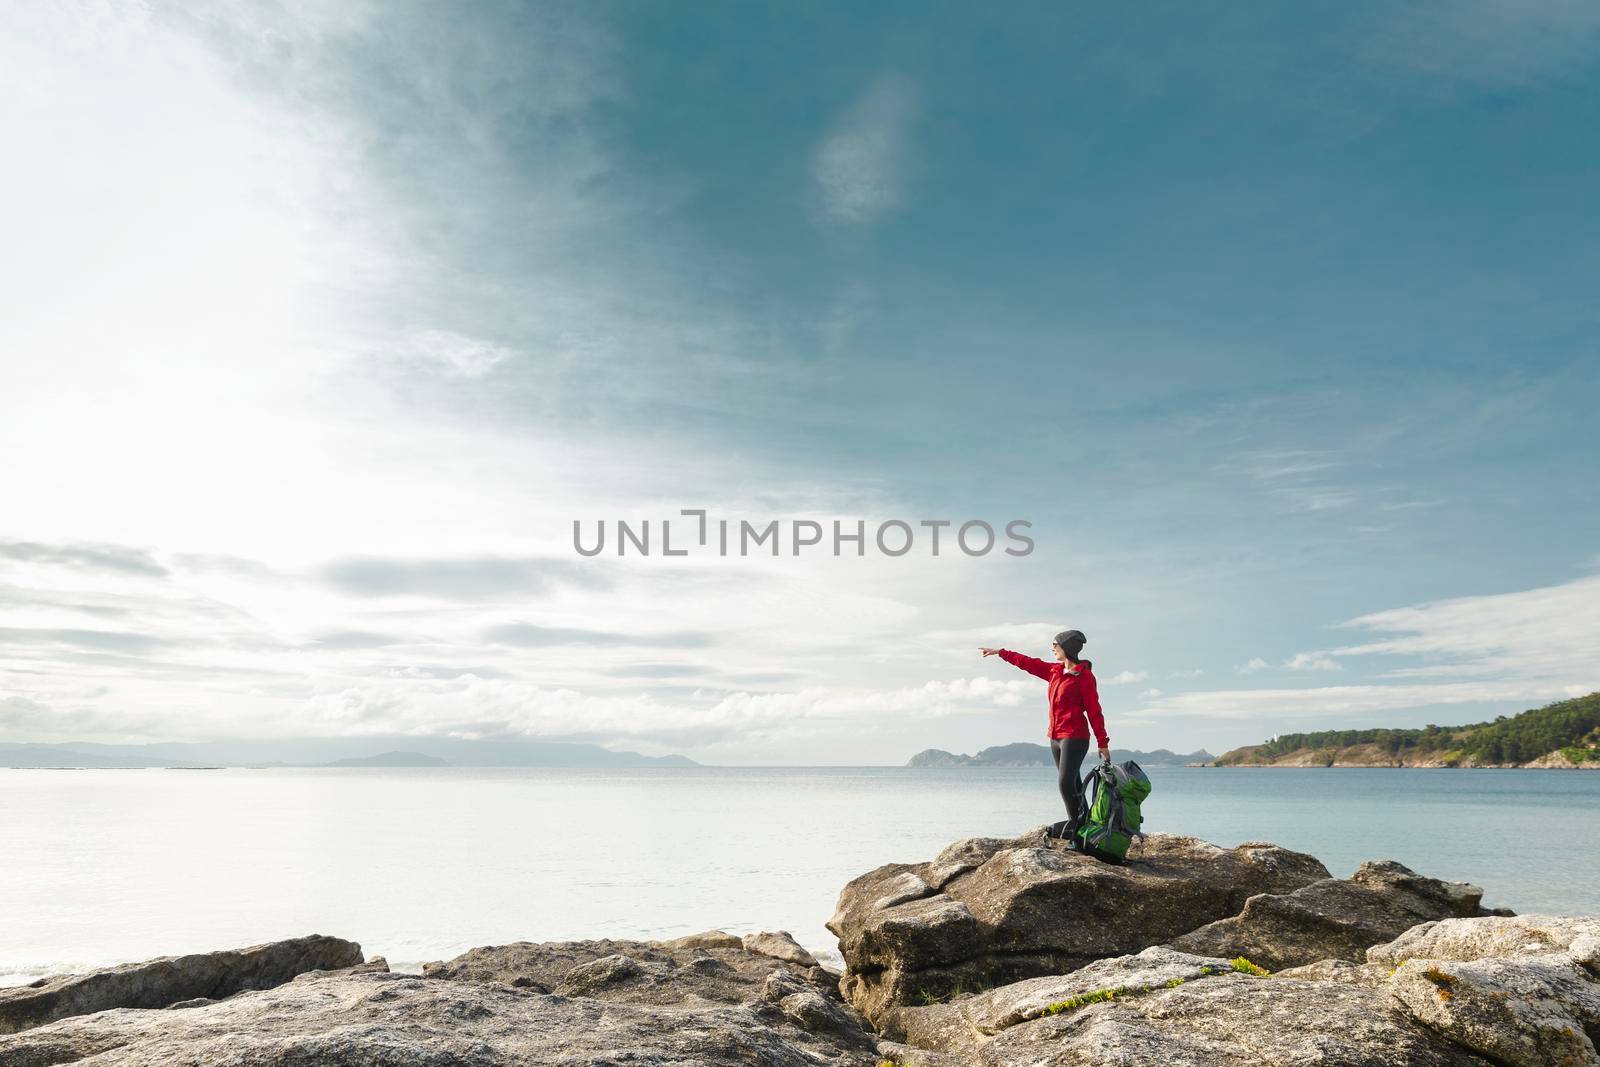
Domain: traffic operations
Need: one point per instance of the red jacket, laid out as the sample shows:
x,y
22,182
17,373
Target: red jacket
x,y
1073,695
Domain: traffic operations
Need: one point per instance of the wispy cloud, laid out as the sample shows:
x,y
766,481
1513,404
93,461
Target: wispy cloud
x,y
24,716
1528,647
452,354
1302,480
1356,700
1273,465
655,670
462,578
1312,661
476,707
1315,498
483,271
527,635
1300,661
1488,42
1550,630
860,164
353,639
95,640
116,558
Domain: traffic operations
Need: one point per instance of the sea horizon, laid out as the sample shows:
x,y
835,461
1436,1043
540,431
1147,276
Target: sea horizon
x,y
419,864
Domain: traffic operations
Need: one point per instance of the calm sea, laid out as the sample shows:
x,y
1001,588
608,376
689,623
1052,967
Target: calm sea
x,y
105,866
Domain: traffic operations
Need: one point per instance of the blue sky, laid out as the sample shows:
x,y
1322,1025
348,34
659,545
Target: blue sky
x,y
1277,323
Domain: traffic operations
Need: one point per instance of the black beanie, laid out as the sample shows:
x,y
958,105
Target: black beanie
x,y
1066,636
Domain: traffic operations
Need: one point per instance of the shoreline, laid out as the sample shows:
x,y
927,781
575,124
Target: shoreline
x,y
969,959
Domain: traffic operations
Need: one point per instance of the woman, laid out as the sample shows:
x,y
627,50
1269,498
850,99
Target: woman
x,y
1074,697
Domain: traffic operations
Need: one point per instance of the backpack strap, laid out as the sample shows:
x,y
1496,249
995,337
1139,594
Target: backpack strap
x,y
1113,810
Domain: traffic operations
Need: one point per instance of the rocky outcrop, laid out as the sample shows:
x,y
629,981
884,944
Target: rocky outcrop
x,y
780,946
169,980
966,1023
703,968
1337,971
1561,760
1161,1006
1465,992
988,910
1511,936
398,1020
1333,919
1481,991
701,1000
1228,1020
1523,991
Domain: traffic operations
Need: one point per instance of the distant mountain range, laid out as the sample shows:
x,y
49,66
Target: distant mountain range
x,y
390,759
393,751
1027,754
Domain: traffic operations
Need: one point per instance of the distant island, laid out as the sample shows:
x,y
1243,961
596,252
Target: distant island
x,y
1561,735
381,751
1028,754
390,759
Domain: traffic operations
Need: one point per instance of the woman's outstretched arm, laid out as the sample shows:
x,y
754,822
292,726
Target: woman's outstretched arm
x,y
1036,667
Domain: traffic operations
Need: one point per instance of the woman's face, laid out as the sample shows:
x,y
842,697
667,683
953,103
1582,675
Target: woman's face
x,y
1064,655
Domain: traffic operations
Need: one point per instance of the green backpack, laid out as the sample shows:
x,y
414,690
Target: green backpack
x,y
1114,819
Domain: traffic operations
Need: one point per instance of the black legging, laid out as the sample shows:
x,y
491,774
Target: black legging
x,y
1068,753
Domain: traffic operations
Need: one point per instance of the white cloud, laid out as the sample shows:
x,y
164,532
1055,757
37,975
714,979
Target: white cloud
x,y
1312,661
1488,42
235,260
1300,661
1286,464
453,354
1315,498
105,642
202,216
1297,478
1149,694
475,706
1196,673
860,163
1527,647
1351,700
1552,630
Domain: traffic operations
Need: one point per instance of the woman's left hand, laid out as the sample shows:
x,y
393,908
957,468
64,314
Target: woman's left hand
x,y
1105,753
